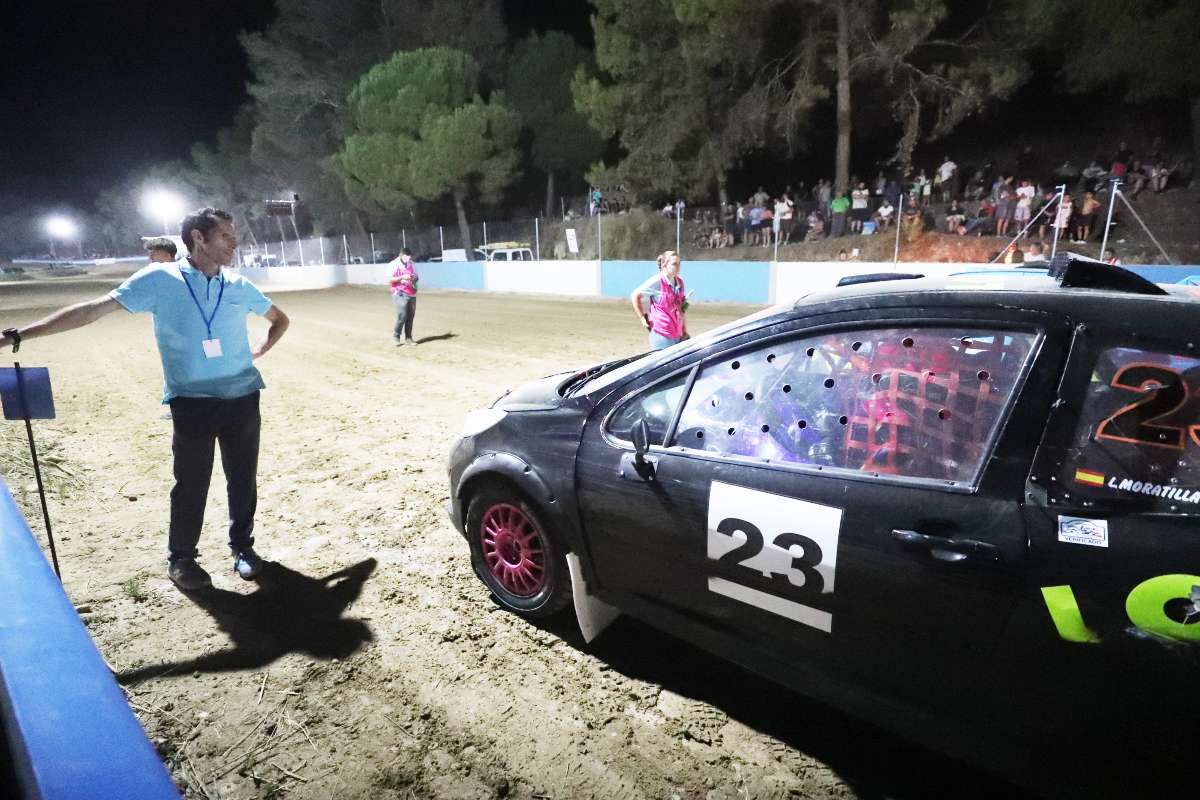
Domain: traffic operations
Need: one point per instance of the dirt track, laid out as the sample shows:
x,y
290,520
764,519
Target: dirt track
x,y
369,662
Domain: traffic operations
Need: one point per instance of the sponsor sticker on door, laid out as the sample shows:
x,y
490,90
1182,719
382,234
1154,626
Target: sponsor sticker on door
x,y
1081,530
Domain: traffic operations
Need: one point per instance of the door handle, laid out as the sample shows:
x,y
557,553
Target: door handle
x,y
948,549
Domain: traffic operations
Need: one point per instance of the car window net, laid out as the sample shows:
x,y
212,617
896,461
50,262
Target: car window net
x,y
917,402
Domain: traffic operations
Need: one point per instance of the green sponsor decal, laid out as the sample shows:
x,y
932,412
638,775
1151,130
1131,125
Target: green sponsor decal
x,y
1064,610
1146,606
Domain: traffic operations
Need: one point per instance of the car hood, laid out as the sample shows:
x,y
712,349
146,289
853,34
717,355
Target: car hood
x,y
540,395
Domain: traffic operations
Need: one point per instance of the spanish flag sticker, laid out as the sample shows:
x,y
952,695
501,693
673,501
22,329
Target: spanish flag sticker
x,y
1089,477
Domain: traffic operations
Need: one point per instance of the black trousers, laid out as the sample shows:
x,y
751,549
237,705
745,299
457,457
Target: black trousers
x,y
200,423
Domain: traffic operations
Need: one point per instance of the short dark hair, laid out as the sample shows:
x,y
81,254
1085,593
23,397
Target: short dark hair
x,y
161,243
204,220
404,251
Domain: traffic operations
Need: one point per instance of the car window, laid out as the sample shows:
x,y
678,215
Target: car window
x,y
914,402
1138,435
656,405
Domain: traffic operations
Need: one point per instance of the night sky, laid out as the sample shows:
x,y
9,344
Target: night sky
x,y
93,91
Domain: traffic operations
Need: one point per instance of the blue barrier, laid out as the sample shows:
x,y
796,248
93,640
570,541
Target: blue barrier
x,y
70,733
452,275
719,281
1162,274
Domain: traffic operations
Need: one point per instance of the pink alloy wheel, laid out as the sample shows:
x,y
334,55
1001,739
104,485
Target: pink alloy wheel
x,y
513,549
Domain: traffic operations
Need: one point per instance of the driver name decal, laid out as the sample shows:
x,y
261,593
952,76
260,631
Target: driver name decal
x,y
772,552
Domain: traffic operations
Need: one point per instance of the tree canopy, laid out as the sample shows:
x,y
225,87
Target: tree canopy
x,y
422,131
538,85
309,58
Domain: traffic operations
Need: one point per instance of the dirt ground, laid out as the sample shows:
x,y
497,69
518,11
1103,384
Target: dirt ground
x,y
368,661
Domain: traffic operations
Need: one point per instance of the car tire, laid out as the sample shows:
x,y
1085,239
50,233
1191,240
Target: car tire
x,y
515,554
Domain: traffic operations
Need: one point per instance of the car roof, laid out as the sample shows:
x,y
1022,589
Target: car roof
x,y
1146,308
1071,283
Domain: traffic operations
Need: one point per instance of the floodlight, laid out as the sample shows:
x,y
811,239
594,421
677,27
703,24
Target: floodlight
x,y
162,205
61,227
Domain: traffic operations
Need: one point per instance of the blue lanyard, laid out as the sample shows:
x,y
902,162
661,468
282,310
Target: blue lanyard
x,y
208,321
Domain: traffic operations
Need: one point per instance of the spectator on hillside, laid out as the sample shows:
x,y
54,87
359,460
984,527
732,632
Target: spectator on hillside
x,y
783,218
1011,255
1086,218
816,227
1110,258
860,211
1005,205
1124,154
1036,254
843,255
1093,175
1046,220
760,198
1067,173
1136,179
1023,211
742,222
756,223
955,216
1160,174
947,176
768,225
1062,218
912,221
920,187
824,193
984,222
880,184
668,211
839,208
727,218
975,187
885,215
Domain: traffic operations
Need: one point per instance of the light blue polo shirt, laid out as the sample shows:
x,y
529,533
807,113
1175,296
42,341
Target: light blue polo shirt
x,y
179,327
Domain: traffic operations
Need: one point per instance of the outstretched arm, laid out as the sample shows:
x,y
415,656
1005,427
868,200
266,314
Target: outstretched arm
x,y
66,319
279,323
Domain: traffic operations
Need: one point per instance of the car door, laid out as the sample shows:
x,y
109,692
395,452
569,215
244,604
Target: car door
x,y
1113,613
841,496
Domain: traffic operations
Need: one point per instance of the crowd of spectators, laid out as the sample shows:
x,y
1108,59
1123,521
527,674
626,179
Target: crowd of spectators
x,y
980,201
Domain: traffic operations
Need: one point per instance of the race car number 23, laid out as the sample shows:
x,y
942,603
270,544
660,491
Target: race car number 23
x,y
776,553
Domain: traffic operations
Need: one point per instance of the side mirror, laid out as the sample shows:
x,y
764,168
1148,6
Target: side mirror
x,y
641,439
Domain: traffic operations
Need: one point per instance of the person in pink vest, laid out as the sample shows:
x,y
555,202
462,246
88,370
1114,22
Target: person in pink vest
x,y
666,321
404,297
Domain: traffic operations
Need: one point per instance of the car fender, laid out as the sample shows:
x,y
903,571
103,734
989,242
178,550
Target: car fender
x,y
527,479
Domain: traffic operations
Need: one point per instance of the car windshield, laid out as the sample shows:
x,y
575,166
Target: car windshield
x,y
573,384
638,363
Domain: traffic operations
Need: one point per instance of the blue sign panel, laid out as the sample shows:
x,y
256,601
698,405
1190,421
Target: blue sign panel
x,y
25,393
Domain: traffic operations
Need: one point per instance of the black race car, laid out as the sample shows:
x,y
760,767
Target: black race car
x,y
967,509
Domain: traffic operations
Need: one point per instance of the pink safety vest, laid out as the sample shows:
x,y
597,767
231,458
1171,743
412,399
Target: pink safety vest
x,y
666,311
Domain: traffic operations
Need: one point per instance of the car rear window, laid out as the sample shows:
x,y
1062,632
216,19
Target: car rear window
x,y
1138,436
912,402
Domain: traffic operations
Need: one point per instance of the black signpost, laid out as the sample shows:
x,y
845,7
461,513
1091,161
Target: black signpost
x,y
25,393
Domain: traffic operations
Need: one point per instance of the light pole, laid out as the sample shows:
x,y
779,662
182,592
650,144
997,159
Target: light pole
x,y
162,205
60,227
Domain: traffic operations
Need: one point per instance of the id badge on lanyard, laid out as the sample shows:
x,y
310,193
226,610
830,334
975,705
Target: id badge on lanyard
x,y
211,346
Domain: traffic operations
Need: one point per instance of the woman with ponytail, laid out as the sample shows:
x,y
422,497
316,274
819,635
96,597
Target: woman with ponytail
x,y
666,320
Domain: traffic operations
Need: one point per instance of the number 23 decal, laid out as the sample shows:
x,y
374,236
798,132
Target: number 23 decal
x,y
1168,392
773,552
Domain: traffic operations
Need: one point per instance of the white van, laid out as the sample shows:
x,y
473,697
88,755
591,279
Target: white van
x,y
505,251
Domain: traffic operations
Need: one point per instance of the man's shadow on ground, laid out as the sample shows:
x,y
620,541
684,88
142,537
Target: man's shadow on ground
x,y
438,338
287,613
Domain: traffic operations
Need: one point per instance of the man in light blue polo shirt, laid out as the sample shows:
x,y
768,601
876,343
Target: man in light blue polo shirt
x,y
211,382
